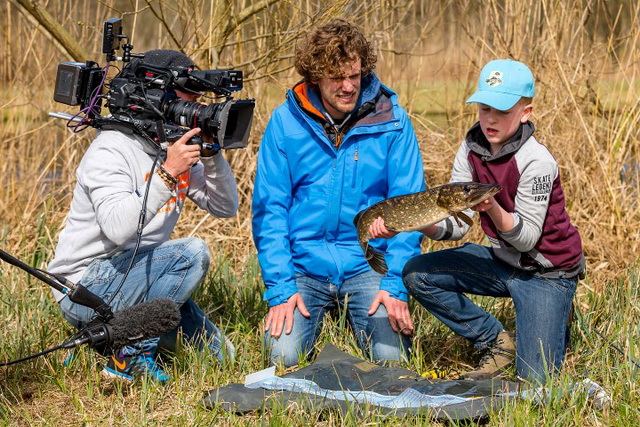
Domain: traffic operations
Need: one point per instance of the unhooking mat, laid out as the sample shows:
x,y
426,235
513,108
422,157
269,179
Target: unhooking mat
x,y
338,380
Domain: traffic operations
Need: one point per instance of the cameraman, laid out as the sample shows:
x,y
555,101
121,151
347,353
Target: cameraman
x,y
97,243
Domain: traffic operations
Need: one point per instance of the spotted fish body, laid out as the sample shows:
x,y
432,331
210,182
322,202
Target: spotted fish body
x,y
419,210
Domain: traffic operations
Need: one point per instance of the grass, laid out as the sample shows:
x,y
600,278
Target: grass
x,y
584,56
44,392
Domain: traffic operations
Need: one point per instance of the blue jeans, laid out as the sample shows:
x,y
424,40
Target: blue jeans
x,y
173,269
373,333
439,280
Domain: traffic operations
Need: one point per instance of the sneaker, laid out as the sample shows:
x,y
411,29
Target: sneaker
x,y
130,368
71,358
497,358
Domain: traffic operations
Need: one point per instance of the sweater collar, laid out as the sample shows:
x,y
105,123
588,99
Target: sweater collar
x,y
478,143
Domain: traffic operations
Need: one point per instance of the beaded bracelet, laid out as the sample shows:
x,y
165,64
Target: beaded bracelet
x,y
168,179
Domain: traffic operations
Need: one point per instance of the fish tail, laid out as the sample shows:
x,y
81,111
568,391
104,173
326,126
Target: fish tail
x,y
376,260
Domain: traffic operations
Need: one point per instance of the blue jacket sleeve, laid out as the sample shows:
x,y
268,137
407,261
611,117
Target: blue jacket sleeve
x,y
405,175
271,203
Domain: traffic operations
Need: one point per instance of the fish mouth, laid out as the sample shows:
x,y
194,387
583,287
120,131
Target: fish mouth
x,y
458,196
479,192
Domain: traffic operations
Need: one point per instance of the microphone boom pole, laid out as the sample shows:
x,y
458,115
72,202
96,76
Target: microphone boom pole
x,y
32,271
76,293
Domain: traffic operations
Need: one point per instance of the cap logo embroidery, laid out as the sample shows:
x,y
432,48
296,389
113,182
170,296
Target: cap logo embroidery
x,y
494,79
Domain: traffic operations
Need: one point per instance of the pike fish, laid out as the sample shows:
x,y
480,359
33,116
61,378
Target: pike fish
x,y
418,210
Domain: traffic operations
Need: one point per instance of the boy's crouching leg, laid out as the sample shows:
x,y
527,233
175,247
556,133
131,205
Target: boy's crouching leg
x,y
414,278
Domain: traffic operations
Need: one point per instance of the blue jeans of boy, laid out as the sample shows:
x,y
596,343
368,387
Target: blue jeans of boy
x,y
439,281
173,269
373,333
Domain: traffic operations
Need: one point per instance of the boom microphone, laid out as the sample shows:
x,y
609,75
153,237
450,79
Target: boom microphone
x,y
149,319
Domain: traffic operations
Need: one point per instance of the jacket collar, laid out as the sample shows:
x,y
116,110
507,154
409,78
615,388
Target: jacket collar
x,y
308,96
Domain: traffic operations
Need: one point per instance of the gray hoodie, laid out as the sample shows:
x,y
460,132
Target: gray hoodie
x,y
107,200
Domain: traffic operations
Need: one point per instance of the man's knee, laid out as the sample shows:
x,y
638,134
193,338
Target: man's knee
x,y
284,357
384,344
397,352
285,351
198,252
194,261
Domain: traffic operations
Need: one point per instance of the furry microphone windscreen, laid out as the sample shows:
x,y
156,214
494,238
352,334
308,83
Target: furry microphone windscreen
x,y
146,320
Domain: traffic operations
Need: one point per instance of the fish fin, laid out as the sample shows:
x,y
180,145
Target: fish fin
x,y
461,216
376,260
358,216
465,218
455,216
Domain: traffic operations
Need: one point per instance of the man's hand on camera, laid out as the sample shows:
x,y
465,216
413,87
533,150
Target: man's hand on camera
x,y
180,155
204,152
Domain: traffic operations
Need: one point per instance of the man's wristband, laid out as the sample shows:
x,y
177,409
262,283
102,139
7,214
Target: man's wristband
x,y
168,179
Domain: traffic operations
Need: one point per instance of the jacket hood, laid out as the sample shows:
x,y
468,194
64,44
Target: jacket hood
x,y
478,143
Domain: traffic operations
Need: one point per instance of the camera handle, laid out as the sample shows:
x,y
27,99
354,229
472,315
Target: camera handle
x,y
126,52
172,133
207,149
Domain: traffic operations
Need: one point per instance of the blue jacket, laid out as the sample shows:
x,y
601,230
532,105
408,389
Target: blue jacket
x,y
307,191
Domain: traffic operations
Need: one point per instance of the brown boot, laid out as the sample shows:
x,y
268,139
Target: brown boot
x,y
499,356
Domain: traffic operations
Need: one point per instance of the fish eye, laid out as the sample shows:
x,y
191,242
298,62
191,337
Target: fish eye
x,y
467,188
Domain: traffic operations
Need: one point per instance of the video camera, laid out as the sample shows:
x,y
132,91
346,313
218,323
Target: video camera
x,y
141,98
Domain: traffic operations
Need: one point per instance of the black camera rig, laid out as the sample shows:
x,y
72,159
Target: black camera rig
x,y
141,98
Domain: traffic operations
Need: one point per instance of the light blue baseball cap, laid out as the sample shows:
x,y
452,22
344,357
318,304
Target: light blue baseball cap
x,y
502,83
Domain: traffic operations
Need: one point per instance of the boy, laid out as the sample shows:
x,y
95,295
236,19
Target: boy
x,y
536,253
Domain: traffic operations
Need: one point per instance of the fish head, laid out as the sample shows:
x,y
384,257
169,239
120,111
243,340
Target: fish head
x,y
458,196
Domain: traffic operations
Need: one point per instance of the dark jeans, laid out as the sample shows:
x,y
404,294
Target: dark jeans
x,y
439,281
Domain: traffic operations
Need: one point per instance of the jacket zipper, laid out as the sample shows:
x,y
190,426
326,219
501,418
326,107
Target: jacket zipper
x,y
355,167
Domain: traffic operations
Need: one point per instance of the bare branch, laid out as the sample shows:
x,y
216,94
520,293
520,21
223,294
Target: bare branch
x,y
244,14
43,21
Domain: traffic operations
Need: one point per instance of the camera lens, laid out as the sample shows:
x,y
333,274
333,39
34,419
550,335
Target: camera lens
x,y
191,114
227,122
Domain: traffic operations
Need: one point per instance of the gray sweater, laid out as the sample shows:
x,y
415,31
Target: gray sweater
x,y
107,199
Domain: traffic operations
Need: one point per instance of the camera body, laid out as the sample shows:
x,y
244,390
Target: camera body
x,y
141,98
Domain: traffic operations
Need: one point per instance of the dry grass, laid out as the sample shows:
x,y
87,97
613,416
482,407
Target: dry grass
x,y
585,58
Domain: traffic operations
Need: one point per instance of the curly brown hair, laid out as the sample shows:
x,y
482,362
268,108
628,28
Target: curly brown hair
x,y
327,48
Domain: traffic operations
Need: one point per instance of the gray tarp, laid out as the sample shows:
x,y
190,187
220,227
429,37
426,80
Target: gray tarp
x,y
337,380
